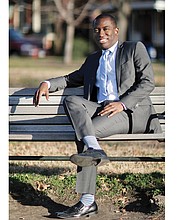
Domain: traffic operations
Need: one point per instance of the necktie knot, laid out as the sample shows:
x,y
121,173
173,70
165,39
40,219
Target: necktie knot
x,y
106,53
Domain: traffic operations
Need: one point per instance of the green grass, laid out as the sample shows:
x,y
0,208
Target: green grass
x,y
115,187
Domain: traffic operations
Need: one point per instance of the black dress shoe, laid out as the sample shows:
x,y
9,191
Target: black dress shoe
x,y
78,210
90,157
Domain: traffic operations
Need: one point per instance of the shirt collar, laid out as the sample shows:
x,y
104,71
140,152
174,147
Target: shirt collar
x,y
112,48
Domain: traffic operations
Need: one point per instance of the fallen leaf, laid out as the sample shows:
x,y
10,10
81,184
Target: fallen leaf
x,y
41,186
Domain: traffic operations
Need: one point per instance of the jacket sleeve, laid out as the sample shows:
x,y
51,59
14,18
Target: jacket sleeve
x,y
138,93
74,79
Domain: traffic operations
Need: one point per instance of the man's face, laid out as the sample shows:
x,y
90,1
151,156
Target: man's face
x,y
105,33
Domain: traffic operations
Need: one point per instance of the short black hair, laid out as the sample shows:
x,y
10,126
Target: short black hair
x,y
104,15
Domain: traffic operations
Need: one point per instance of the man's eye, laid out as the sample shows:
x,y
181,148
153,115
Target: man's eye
x,y
96,30
106,29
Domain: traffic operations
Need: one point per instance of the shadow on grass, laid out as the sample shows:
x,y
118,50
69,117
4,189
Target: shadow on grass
x,y
142,203
26,195
46,171
139,189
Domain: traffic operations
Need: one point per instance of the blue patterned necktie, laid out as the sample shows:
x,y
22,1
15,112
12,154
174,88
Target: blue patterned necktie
x,y
104,68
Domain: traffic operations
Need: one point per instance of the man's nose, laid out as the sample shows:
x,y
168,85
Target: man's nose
x,y
101,33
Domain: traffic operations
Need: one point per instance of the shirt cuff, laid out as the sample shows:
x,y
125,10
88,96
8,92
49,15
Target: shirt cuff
x,y
124,107
48,82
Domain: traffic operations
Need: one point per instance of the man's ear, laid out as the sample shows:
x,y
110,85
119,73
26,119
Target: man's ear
x,y
116,30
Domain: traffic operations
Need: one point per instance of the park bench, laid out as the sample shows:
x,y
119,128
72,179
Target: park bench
x,y
48,123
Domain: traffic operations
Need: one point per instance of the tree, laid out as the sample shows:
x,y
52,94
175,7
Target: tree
x,y
66,9
124,11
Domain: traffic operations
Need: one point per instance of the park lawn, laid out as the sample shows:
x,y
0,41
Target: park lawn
x,y
28,72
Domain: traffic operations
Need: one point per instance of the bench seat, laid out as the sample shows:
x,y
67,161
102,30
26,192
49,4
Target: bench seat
x,y
50,123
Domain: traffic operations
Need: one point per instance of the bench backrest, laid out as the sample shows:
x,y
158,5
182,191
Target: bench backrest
x,y
48,122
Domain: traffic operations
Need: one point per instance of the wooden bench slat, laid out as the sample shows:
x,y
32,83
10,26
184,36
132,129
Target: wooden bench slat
x,y
70,91
67,158
45,120
43,128
53,110
70,136
39,119
41,110
58,100
31,92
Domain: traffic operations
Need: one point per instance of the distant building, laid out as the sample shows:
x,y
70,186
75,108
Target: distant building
x,y
147,23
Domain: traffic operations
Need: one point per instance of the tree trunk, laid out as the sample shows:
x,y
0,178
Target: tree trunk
x,y
123,13
123,26
60,37
70,31
68,50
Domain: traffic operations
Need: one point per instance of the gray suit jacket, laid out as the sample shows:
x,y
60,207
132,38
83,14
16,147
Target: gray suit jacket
x,y
134,74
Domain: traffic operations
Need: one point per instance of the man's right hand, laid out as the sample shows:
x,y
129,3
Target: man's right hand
x,y
42,90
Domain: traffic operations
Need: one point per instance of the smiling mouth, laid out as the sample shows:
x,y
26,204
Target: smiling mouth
x,y
103,41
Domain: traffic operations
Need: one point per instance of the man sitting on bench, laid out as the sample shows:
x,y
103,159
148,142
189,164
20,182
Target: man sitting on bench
x,y
117,82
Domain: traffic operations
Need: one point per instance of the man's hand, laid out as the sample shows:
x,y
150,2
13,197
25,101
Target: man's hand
x,y
111,109
42,90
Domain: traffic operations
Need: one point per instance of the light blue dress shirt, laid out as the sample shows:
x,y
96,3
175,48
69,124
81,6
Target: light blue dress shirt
x,y
111,86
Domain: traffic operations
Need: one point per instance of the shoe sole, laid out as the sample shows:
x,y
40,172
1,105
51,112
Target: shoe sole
x,y
77,216
88,214
86,161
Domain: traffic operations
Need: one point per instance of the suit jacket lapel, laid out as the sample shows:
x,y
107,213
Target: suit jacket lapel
x,y
117,65
92,91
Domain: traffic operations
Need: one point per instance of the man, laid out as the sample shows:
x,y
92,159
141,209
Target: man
x,y
117,82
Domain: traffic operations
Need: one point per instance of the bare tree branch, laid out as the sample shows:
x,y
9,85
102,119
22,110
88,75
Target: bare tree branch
x,y
62,11
66,13
83,13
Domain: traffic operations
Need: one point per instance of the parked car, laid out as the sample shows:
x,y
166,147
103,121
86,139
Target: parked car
x,y
24,46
